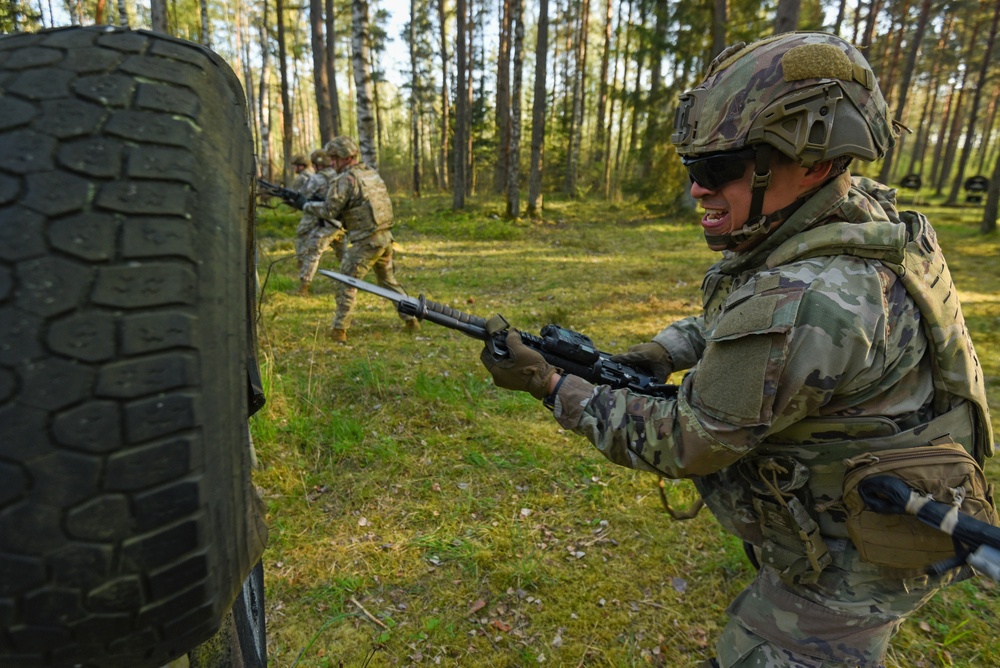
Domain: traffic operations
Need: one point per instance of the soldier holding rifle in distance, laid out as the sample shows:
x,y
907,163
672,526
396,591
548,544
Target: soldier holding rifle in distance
x,y
359,199
314,236
831,343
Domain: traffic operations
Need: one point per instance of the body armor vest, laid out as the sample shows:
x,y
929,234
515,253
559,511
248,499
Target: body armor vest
x,y
805,473
373,211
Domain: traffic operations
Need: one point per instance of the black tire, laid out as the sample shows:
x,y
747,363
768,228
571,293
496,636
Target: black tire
x,y
128,521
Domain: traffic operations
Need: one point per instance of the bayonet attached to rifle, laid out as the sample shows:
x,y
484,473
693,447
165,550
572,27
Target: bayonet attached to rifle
x,y
571,351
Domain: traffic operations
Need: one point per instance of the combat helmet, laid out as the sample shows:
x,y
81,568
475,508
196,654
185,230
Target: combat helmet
x,y
341,147
300,159
810,95
320,158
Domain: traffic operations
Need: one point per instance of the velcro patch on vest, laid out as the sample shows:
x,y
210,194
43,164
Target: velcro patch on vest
x,y
737,348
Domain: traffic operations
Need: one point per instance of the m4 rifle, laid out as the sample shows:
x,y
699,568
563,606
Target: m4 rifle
x,y
291,197
571,351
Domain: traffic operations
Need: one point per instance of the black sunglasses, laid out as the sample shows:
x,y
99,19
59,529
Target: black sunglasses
x,y
716,170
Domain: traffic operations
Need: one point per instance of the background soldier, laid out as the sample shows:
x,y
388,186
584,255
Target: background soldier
x,y
314,236
830,330
302,172
359,200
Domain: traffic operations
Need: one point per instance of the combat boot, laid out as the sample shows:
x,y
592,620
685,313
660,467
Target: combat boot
x,y
303,290
338,335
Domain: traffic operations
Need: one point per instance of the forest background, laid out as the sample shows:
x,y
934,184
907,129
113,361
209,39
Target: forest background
x,y
517,98
417,514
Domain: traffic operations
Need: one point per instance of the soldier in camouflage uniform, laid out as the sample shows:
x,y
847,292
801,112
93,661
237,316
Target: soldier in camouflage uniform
x,y
302,172
359,200
830,330
314,236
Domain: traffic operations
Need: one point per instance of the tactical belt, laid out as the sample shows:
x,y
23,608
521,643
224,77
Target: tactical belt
x,y
796,489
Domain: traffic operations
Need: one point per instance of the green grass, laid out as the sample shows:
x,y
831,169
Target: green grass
x,y
419,515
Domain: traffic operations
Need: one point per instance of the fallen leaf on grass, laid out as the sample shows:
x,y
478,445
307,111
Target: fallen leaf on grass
x,y
476,607
500,626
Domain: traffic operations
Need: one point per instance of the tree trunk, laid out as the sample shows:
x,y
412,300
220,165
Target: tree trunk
x,y
719,20
267,157
461,110
927,116
243,47
286,105
888,81
841,12
538,113
470,156
942,136
991,115
503,101
977,97
786,17
158,15
414,107
649,141
904,86
866,41
321,88
606,182
621,117
122,14
331,69
514,157
206,28
579,87
363,83
956,118
602,92
445,98
989,224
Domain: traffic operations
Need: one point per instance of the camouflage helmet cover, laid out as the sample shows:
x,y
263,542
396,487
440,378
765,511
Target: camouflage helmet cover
x,y
300,159
341,147
320,158
812,96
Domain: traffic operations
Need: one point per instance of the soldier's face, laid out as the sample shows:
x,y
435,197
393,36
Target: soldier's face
x,y
299,168
727,206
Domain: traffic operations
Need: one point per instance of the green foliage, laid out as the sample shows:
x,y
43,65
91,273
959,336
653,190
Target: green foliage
x,y
19,16
420,515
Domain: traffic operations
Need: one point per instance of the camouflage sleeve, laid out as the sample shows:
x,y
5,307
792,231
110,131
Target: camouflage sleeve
x,y
801,340
316,185
338,197
684,340
300,182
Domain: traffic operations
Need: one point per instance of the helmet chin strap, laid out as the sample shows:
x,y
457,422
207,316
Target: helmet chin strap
x,y
757,224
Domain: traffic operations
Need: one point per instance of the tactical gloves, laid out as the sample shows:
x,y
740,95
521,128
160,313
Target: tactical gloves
x,y
523,369
650,356
299,201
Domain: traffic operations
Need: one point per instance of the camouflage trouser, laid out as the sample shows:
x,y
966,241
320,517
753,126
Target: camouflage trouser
x,y
312,239
843,621
373,253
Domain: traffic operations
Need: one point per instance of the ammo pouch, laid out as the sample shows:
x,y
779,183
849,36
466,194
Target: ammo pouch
x,y
783,506
943,470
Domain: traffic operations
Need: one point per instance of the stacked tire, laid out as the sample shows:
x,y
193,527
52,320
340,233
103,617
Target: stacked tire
x,y
127,517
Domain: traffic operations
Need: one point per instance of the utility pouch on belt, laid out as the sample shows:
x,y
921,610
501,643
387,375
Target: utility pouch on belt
x,y
943,470
791,541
